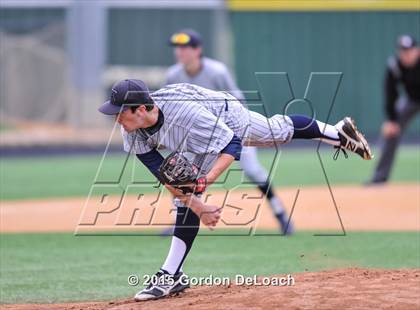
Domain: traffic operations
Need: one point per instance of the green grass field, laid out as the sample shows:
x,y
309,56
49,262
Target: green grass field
x,y
62,267
27,178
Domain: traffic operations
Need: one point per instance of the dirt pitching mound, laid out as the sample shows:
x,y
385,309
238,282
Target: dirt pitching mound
x,y
353,288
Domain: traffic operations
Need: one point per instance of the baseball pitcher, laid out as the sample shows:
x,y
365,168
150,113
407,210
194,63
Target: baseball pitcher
x,y
205,131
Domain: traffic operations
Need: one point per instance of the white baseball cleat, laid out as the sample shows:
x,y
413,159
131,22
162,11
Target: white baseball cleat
x,y
352,139
163,284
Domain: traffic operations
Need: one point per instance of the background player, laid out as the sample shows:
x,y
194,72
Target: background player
x,y
212,126
402,70
192,67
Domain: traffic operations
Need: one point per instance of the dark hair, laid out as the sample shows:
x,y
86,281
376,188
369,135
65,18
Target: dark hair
x,y
149,106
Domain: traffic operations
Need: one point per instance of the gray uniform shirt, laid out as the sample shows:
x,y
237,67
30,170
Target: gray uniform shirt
x,y
213,75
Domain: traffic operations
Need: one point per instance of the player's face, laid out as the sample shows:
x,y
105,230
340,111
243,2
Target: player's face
x,y
130,120
186,54
409,56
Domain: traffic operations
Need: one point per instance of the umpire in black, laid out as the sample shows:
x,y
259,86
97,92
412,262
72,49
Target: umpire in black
x,y
403,73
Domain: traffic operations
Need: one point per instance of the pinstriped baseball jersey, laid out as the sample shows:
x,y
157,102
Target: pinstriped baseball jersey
x,y
202,121
221,104
188,125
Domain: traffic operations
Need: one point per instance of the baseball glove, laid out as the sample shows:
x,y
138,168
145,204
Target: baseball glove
x,y
178,172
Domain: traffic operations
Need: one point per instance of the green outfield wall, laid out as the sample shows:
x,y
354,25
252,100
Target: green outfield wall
x,y
354,43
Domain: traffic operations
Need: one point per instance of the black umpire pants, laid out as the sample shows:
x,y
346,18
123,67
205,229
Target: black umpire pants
x,y
406,110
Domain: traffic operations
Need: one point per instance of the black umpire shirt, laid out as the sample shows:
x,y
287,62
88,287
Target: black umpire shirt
x,y
409,78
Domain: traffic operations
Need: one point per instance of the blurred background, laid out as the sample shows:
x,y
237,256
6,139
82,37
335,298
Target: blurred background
x,y
58,58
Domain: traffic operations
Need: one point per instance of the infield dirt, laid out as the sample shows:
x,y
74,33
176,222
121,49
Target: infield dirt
x,y
391,207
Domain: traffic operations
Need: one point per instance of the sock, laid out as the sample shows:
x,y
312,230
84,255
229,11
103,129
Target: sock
x,y
265,188
186,229
308,128
175,256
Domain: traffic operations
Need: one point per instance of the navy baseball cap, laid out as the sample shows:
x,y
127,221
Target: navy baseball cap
x,y
187,37
406,42
127,92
